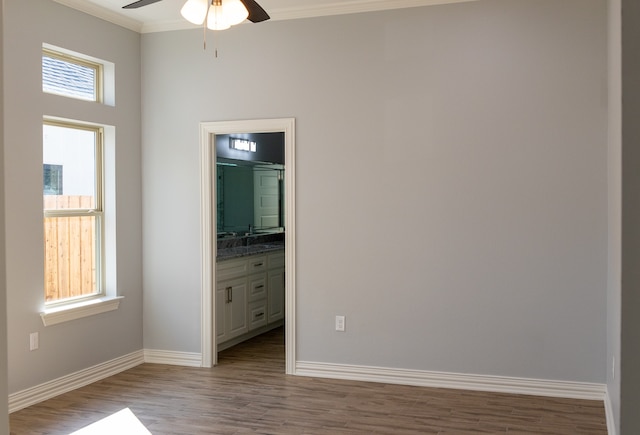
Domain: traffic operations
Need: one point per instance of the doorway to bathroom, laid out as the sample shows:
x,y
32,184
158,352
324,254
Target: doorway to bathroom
x,y
225,145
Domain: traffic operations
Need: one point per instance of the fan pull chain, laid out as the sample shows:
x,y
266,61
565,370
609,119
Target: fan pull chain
x,y
215,44
204,35
204,31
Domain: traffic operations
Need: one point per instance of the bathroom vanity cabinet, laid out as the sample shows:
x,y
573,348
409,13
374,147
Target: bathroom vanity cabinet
x,y
249,296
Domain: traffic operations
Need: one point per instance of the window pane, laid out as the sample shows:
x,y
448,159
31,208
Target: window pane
x,y
64,77
69,158
70,257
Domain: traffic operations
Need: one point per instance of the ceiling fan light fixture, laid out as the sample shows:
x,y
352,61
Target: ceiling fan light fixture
x,y
234,11
216,19
226,12
195,11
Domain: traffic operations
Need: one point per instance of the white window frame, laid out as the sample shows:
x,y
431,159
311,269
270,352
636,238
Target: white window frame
x,y
97,212
98,87
83,306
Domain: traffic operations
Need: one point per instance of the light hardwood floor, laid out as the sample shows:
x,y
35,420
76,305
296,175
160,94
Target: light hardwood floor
x,y
249,393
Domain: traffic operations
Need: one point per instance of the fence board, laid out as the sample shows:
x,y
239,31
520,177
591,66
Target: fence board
x,y
70,260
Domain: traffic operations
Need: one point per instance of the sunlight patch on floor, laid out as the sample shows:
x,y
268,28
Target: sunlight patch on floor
x,y
122,422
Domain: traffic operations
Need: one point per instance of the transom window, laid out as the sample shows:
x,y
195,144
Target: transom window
x,y
71,76
73,211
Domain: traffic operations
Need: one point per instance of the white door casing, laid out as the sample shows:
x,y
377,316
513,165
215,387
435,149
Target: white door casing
x,y
208,131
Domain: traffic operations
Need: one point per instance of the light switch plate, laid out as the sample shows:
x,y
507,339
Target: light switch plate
x,y
33,341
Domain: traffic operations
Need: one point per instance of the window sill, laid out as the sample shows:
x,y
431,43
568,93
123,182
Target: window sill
x,y
53,316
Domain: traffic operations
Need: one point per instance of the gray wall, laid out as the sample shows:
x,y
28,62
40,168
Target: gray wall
x,y
451,181
75,345
4,420
630,327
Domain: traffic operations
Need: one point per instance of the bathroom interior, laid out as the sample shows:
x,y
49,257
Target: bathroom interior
x,y
250,229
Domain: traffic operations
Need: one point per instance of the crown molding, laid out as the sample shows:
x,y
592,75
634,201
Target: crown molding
x,y
167,26
291,13
352,7
103,13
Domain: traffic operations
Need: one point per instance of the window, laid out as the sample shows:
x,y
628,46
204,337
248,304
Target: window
x,y
73,211
71,76
78,168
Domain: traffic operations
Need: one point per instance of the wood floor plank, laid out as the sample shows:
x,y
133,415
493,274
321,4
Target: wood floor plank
x,y
248,393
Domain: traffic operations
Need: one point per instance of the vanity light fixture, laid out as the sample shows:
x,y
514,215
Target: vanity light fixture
x,y
242,145
219,14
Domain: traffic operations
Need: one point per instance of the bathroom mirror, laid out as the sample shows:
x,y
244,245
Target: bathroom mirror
x,y
250,183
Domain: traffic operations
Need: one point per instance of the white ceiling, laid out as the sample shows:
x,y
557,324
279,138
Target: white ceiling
x,y
165,14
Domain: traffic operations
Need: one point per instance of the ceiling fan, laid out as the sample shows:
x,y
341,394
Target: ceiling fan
x,y
256,13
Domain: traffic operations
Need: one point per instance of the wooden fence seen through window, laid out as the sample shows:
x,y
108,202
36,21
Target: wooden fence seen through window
x,y
70,249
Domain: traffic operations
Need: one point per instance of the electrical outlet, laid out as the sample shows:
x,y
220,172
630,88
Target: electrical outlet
x,y
340,323
33,341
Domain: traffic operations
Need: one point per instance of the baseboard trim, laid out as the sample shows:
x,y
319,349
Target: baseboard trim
x,y
538,387
498,384
73,381
187,359
608,411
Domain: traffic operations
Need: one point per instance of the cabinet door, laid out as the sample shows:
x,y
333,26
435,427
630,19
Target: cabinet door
x,y
237,309
266,194
275,294
231,309
221,309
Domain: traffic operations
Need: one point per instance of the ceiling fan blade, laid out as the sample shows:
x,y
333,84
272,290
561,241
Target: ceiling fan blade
x,y
256,13
139,4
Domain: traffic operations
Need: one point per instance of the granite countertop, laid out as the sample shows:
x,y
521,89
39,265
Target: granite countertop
x,y
243,251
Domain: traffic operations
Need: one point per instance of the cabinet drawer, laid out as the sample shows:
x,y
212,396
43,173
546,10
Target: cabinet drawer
x,y
257,263
257,286
231,269
257,314
241,266
276,259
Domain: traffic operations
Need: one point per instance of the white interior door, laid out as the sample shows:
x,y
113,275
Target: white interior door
x,y
266,198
